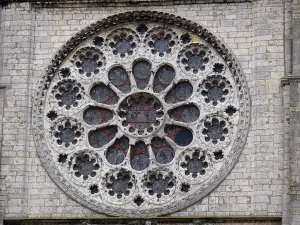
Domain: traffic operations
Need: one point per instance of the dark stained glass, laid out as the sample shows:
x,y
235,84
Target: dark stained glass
x,y
215,130
68,93
180,92
195,165
141,112
161,44
67,135
159,185
96,115
103,94
142,72
215,89
119,77
163,152
180,135
139,156
119,185
116,153
123,46
185,113
102,136
85,166
163,78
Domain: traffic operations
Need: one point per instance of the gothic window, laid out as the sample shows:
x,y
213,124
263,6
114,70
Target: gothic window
x,y
137,117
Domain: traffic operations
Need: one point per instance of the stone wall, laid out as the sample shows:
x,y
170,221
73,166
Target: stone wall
x,y
146,222
254,31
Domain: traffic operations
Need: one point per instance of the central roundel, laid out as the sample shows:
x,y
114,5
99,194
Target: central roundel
x,y
141,118
141,114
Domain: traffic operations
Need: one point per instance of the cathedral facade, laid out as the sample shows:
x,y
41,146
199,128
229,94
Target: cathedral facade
x,y
150,112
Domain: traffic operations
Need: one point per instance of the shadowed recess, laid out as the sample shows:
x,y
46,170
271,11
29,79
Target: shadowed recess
x,y
185,113
102,136
96,115
118,151
180,92
139,156
163,152
180,135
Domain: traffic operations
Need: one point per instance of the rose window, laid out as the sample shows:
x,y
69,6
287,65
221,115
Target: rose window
x,y
136,117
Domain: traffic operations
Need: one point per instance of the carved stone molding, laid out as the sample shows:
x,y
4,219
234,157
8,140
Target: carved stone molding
x,y
91,3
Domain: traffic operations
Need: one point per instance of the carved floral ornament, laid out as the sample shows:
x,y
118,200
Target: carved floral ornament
x,y
141,114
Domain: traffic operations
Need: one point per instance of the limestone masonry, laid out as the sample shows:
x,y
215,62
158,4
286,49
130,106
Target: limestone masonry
x,y
184,109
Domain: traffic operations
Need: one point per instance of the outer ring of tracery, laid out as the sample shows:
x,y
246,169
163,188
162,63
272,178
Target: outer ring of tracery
x,y
117,20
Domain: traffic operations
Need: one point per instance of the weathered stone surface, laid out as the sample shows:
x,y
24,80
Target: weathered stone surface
x,y
256,32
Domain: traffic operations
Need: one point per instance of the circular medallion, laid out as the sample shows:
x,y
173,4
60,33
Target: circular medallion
x,y
141,114
135,117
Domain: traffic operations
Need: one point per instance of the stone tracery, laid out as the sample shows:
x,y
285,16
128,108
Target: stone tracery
x,y
143,114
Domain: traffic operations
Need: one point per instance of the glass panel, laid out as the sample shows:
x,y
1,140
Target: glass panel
x,y
85,166
195,165
180,135
103,94
163,152
139,156
102,136
141,111
185,113
163,78
96,115
118,76
180,92
118,151
215,130
142,72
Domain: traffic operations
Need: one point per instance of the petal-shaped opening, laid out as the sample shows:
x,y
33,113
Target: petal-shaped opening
x,y
163,78
96,115
102,136
141,72
185,113
103,94
163,152
118,77
180,135
139,156
180,92
116,153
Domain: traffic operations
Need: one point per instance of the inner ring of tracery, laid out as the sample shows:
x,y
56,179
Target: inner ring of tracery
x,y
141,114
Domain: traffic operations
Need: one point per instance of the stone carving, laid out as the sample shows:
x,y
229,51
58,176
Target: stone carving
x,y
119,185
141,114
161,41
195,166
88,61
84,167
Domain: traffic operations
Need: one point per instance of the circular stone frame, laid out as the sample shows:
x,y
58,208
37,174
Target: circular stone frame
x,y
115,21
